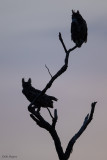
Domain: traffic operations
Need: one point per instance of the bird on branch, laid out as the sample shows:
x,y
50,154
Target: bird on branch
x,y
79,29
31,93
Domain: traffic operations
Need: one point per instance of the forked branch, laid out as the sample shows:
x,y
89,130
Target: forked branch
x,y
61,71
41,122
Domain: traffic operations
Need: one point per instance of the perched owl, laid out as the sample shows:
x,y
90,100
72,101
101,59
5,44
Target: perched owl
x,y
31,93
78,29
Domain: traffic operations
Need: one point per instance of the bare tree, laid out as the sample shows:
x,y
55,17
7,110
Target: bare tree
x,y
41,122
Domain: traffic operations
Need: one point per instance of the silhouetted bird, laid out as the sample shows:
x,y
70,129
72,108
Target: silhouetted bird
x,y
31,93
78,29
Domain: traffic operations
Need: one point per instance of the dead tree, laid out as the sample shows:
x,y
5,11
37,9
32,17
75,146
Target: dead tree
x,y
79,36
41,122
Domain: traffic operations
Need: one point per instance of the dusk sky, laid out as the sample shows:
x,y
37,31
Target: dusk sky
x,y
28,40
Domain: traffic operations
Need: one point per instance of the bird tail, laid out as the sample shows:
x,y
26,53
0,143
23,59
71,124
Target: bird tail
x,y
53,98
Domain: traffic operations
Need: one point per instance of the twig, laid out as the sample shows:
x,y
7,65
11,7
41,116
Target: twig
x,y
63,44
50,113
48,70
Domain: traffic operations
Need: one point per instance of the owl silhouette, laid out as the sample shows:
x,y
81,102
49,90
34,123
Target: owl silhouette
x,y
78,29
31,93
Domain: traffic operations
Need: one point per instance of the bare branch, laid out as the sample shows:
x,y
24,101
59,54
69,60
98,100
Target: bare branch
x,y
48,70
86,122
41,122
57,143
61,71
50,113
63,44
61,40
55,118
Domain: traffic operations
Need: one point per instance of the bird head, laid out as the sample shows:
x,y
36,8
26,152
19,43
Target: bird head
x,y
26,84
76,15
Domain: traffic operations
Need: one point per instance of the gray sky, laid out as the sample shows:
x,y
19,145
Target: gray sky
x,y
29,40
